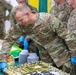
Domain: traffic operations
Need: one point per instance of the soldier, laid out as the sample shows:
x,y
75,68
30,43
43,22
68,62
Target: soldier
x,y
11,38
71,24
72,19
3,7
61,10
13,22
49,34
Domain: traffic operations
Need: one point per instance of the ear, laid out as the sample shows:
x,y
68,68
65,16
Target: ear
x,y
27,13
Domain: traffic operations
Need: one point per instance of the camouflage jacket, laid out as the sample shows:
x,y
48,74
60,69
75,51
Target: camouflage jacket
x,y
3,7
72,22
62,12
12,19
50,35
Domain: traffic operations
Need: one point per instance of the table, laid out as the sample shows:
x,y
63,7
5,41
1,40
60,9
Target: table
x,y
34,68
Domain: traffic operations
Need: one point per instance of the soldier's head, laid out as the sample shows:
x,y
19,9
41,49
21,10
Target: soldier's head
x,y
22,1
59,1
24,16
72,3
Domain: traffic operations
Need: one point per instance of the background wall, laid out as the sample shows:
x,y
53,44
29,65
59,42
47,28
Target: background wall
x,y
41,4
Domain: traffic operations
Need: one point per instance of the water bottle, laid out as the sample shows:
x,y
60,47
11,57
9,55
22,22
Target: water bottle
x,y
23,56
32,57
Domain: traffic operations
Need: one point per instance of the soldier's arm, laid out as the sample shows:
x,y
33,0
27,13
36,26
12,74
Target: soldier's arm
x,y
11,38
64,14
65,34
7,6
71,24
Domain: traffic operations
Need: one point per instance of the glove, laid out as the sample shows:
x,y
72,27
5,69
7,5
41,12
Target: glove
x,y
21,39
25,43
73,60
3,66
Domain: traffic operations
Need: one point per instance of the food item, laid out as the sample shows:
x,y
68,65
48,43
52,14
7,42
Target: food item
x,y
10,60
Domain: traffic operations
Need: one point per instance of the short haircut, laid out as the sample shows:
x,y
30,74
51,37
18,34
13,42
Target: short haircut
x,y
22,8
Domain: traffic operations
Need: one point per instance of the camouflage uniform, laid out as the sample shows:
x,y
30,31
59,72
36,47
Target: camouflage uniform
x,y
72,22
3,7
62,12
54,41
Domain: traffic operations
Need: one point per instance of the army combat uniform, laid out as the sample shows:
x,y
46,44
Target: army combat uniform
x,y
3,7
54,41
62,12
72,22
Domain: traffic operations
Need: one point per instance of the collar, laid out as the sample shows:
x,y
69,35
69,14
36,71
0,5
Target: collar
x,y
38,21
